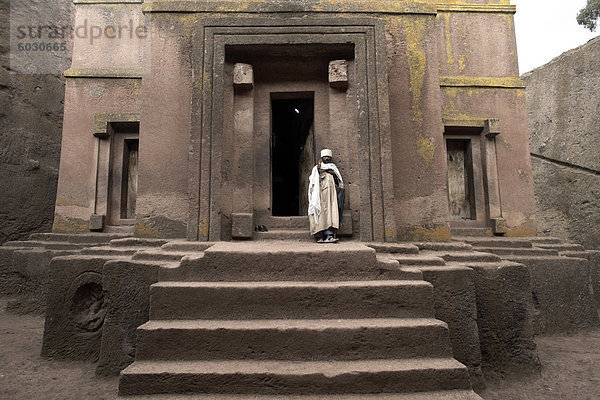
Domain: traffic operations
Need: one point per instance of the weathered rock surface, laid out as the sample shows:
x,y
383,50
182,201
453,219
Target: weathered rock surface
x,y
31,108
563,102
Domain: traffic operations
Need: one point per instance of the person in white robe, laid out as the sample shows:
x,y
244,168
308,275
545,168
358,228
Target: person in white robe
x,y
325,199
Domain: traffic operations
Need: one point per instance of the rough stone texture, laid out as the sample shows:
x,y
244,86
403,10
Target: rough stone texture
x,y
31,108
563,103
76,308
128,286
505,318
455,304
561,294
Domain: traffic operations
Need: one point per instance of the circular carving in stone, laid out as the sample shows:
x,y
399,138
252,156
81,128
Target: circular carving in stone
x,y
88,307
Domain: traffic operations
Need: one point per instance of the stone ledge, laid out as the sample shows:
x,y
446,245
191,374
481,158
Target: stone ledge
x,y
108,1
476,8
302,6
485,82
110,73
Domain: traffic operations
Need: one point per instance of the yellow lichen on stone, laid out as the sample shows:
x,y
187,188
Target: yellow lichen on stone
x,y
437,233
414,32
448,36
69,225
426,149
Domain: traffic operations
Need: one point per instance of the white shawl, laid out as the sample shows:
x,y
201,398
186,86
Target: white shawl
x,y
314,196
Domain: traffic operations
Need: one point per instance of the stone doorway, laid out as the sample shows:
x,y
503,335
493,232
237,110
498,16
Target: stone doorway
x,y
292,151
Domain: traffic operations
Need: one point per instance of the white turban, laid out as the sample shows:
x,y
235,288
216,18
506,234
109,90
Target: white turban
x,y
326,152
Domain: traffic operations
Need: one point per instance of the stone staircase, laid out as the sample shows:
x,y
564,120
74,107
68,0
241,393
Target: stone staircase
x,y
277,320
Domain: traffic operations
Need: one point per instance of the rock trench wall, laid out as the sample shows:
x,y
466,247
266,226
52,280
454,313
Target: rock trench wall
x,y
563,104
31,110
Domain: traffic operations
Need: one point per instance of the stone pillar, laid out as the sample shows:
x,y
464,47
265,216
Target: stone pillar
x,y
490,175
243,157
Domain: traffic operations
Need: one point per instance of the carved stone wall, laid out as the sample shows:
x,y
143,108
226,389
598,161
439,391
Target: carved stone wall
x,y
31,109
563,103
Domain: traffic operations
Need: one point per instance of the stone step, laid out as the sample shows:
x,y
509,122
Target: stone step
x,y
181,245
444,246
561,246
296,222
496,242
278,261
417,259
468,256
390,269
86,238
49,245
293,377
438,395
546,240
133,241
577,254
160,255
124,230
394,248
293,339
278,234
519,251
272,300
108,250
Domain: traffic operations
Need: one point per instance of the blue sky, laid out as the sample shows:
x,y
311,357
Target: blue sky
x,y
546,29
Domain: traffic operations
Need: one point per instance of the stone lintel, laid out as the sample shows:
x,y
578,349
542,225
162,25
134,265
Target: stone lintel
x,y
107,73
243,76
510,82
491,128
465,122
101,121
306,6
338,74
447,6
241,225
108,1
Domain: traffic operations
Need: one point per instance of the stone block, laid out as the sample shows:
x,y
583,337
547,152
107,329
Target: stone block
x,y
75,309
346,224
97,222
499,225
338,74
127,284
455,304
243,76
561,293
241,225
505,318
491,128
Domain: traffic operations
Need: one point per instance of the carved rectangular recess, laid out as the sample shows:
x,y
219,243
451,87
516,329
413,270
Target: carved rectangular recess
x,y
365,34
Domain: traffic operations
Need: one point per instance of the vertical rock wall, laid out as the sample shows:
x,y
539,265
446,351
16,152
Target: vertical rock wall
x,y
563,103
31,108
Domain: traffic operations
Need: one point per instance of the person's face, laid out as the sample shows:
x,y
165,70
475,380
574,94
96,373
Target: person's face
x,y
326,159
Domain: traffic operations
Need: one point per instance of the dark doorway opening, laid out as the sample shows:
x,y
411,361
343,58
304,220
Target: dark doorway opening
x,y
460,179
292,151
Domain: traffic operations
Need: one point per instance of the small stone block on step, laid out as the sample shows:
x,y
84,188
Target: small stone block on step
x,y
97,222
338,74
241,225
499,225
243,76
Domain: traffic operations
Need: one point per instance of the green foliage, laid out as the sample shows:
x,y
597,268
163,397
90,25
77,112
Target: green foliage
x,y
589,15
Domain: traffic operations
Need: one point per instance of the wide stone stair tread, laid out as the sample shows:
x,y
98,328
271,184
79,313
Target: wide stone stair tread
x,y
108,250
561,246
96,238
546,240
577,254
49,245
494,241
135,241
311,340
417,259
302,235
284,299
444,246
293,222
279,261
438,395
160,255
394,248
467,256
180,245
519,251
294,377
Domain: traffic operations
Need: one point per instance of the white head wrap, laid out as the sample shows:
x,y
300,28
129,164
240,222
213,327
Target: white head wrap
x,y
326,152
